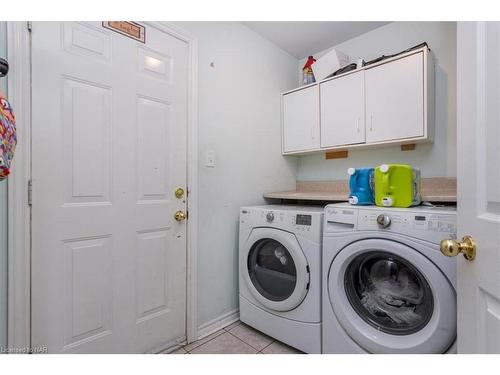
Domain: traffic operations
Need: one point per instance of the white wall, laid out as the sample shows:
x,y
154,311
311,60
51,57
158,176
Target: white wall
x,y
434,160
3,216
239,118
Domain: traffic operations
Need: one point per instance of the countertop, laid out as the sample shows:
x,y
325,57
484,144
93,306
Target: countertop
x,y
434,189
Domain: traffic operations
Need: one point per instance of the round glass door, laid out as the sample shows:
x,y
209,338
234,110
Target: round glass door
x,y
389,297
388,292
272,270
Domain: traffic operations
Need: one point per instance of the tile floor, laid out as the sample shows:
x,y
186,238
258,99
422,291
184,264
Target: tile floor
x,y
237,338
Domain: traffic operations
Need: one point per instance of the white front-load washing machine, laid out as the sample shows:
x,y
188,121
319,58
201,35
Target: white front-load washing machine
x,y
386,286
280,273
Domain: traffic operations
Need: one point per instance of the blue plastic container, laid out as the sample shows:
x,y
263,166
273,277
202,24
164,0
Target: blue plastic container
x,y
361,186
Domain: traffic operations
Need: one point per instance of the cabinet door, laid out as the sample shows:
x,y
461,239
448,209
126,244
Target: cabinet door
x,y
301,120
395,99
343,110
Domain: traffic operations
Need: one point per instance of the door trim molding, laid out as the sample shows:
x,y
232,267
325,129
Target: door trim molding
x,y
19,213
192,178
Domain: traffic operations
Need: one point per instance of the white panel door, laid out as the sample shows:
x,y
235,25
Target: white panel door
x,y
478,58
395,99
343,110
108,150
301,120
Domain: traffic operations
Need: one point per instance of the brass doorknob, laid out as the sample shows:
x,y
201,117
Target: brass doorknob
x,y
452,248
179,216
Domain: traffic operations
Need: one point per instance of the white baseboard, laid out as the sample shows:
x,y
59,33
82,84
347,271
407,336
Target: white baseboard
x,y
218,323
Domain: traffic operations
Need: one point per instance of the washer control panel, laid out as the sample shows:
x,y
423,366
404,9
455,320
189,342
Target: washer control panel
x,y
437,226
437,223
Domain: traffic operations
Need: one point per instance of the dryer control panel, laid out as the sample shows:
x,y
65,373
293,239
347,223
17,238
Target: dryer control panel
x,y
303,221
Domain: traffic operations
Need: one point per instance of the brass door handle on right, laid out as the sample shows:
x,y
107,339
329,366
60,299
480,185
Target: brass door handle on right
x,y
180,216
452,248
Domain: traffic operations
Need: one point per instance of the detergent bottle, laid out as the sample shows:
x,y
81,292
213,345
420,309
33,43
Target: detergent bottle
x,y
361,186
397,185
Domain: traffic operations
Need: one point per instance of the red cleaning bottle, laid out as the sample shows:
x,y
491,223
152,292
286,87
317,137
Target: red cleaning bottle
x,y
307,72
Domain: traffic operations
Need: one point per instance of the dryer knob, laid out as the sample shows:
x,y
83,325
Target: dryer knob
x,y
270,217
383,220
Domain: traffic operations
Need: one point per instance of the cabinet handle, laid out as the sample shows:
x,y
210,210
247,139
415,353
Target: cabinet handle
x,y
371,122
359,120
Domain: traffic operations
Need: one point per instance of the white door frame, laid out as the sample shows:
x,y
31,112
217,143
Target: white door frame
x,y
19,213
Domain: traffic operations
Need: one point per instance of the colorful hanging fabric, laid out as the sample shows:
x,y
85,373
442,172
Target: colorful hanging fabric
x,y
8,137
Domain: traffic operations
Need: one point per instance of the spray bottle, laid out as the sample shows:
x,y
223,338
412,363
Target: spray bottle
x,y
307,72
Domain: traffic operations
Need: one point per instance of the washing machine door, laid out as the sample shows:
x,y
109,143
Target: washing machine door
x,y
390,298
275,269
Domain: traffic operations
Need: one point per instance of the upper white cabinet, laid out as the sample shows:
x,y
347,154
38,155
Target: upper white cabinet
x,y
395,100
389,102
342,110
301,120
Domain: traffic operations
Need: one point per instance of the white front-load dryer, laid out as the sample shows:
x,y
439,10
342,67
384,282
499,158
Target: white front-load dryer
x,y
386,286
280,273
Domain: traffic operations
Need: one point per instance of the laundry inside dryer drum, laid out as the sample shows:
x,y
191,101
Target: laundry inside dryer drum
x,y
388,292
272,269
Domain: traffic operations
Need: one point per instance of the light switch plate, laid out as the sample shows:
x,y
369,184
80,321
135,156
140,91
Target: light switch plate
x,y
210,159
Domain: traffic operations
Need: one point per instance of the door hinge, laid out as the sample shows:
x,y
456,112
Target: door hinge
x,y
29,26
30,192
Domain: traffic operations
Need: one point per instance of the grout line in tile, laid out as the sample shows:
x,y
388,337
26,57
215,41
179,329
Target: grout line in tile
x,y
241,340
268,345
258,351
232,325
223,329
189,351
244,342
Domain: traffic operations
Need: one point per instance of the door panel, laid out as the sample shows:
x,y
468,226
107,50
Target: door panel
x,y
88,292
87,178
153,144
84,40
343,110
395,100
478,175
109,149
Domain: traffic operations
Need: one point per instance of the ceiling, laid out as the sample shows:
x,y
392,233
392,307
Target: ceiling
x,y
301,39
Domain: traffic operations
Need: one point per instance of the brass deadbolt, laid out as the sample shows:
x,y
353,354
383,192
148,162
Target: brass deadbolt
x,y
179,193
